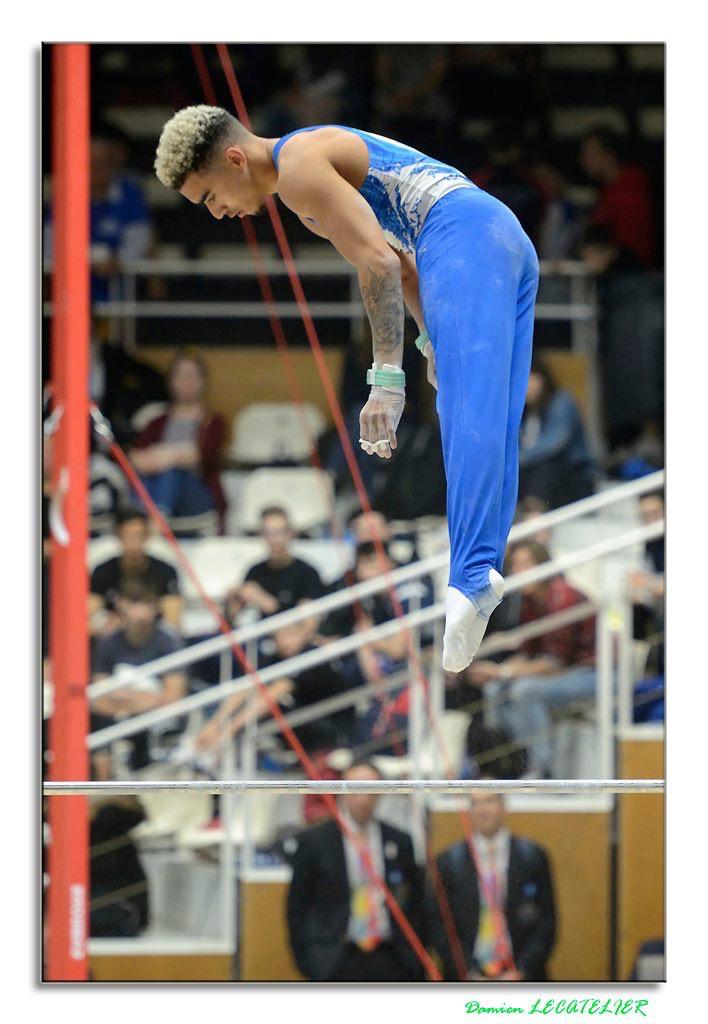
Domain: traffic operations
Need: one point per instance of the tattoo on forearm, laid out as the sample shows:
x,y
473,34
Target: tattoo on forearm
x,y
383,299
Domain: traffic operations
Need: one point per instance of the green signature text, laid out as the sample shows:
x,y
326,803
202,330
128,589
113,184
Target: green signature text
x,y
590,1006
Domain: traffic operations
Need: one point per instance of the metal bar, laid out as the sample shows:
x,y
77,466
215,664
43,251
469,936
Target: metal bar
x,y
432,564
604,680
222,310
625,675
207,310
338,786
242,266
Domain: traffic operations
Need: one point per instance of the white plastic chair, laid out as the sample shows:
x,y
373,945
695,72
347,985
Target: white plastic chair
x,y
452,730
305,494
262,826
276,432
220,563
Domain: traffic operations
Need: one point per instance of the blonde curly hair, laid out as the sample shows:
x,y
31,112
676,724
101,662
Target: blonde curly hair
x,y
188,139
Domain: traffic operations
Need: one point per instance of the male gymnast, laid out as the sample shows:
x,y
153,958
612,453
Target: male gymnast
x,y
421,233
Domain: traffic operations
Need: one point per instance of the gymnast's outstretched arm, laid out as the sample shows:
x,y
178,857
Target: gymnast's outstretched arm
x,y
311,187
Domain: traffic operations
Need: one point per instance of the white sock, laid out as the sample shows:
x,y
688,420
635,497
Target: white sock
x,y
466,622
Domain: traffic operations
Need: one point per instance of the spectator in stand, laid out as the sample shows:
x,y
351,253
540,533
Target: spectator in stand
x,y
646,585
340,927
178,453
282,581
529,509
119,886
108,491
139,640
109,578
408,102
624,207
517,881
120,383
558,236
369,526
120,221
550,671
651,510
631,334
554,460
507,178
293,692
384,656
559,231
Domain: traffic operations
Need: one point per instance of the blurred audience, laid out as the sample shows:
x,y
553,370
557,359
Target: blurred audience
x,y
631,334
120,220
624,207
292,692
120,905
554,459
507,177
339,925
409,103
561,221
646,589
139,640
280,582
120,383
178,453
550,671
510,909
531,508
373,662
109,578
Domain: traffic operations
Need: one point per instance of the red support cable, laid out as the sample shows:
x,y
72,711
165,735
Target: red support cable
x,y
287,731
359,485
67,907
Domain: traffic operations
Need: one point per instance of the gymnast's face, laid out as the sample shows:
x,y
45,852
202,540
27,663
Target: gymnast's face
x,y
226,186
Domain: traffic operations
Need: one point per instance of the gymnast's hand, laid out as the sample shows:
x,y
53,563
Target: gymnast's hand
x,y
379,419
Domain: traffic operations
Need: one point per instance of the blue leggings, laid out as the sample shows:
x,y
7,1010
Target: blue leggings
x,y
179,492
478,276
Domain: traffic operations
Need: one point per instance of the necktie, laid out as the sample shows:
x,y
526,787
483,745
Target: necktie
x,y
364,908
491,946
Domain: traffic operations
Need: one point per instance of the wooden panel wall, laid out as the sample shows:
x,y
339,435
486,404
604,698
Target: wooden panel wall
x,y
641,895
240,376
265,951
162,967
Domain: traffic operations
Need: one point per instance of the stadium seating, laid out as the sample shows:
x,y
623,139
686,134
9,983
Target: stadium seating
x,y
305,493
268,432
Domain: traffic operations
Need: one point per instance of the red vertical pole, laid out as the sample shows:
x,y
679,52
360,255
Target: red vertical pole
x,y
67,910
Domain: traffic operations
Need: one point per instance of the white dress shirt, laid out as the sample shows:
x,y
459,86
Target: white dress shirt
x,y
493,857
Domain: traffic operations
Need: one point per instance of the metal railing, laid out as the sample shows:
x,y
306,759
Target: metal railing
x,y
415,571
348,645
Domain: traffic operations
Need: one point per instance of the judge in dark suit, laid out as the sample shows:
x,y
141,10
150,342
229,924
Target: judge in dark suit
x,y
340,926
517,883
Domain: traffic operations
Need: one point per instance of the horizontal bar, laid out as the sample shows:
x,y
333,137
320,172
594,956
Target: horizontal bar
x,y
242,266
223,310
378,786
343,310
341,598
